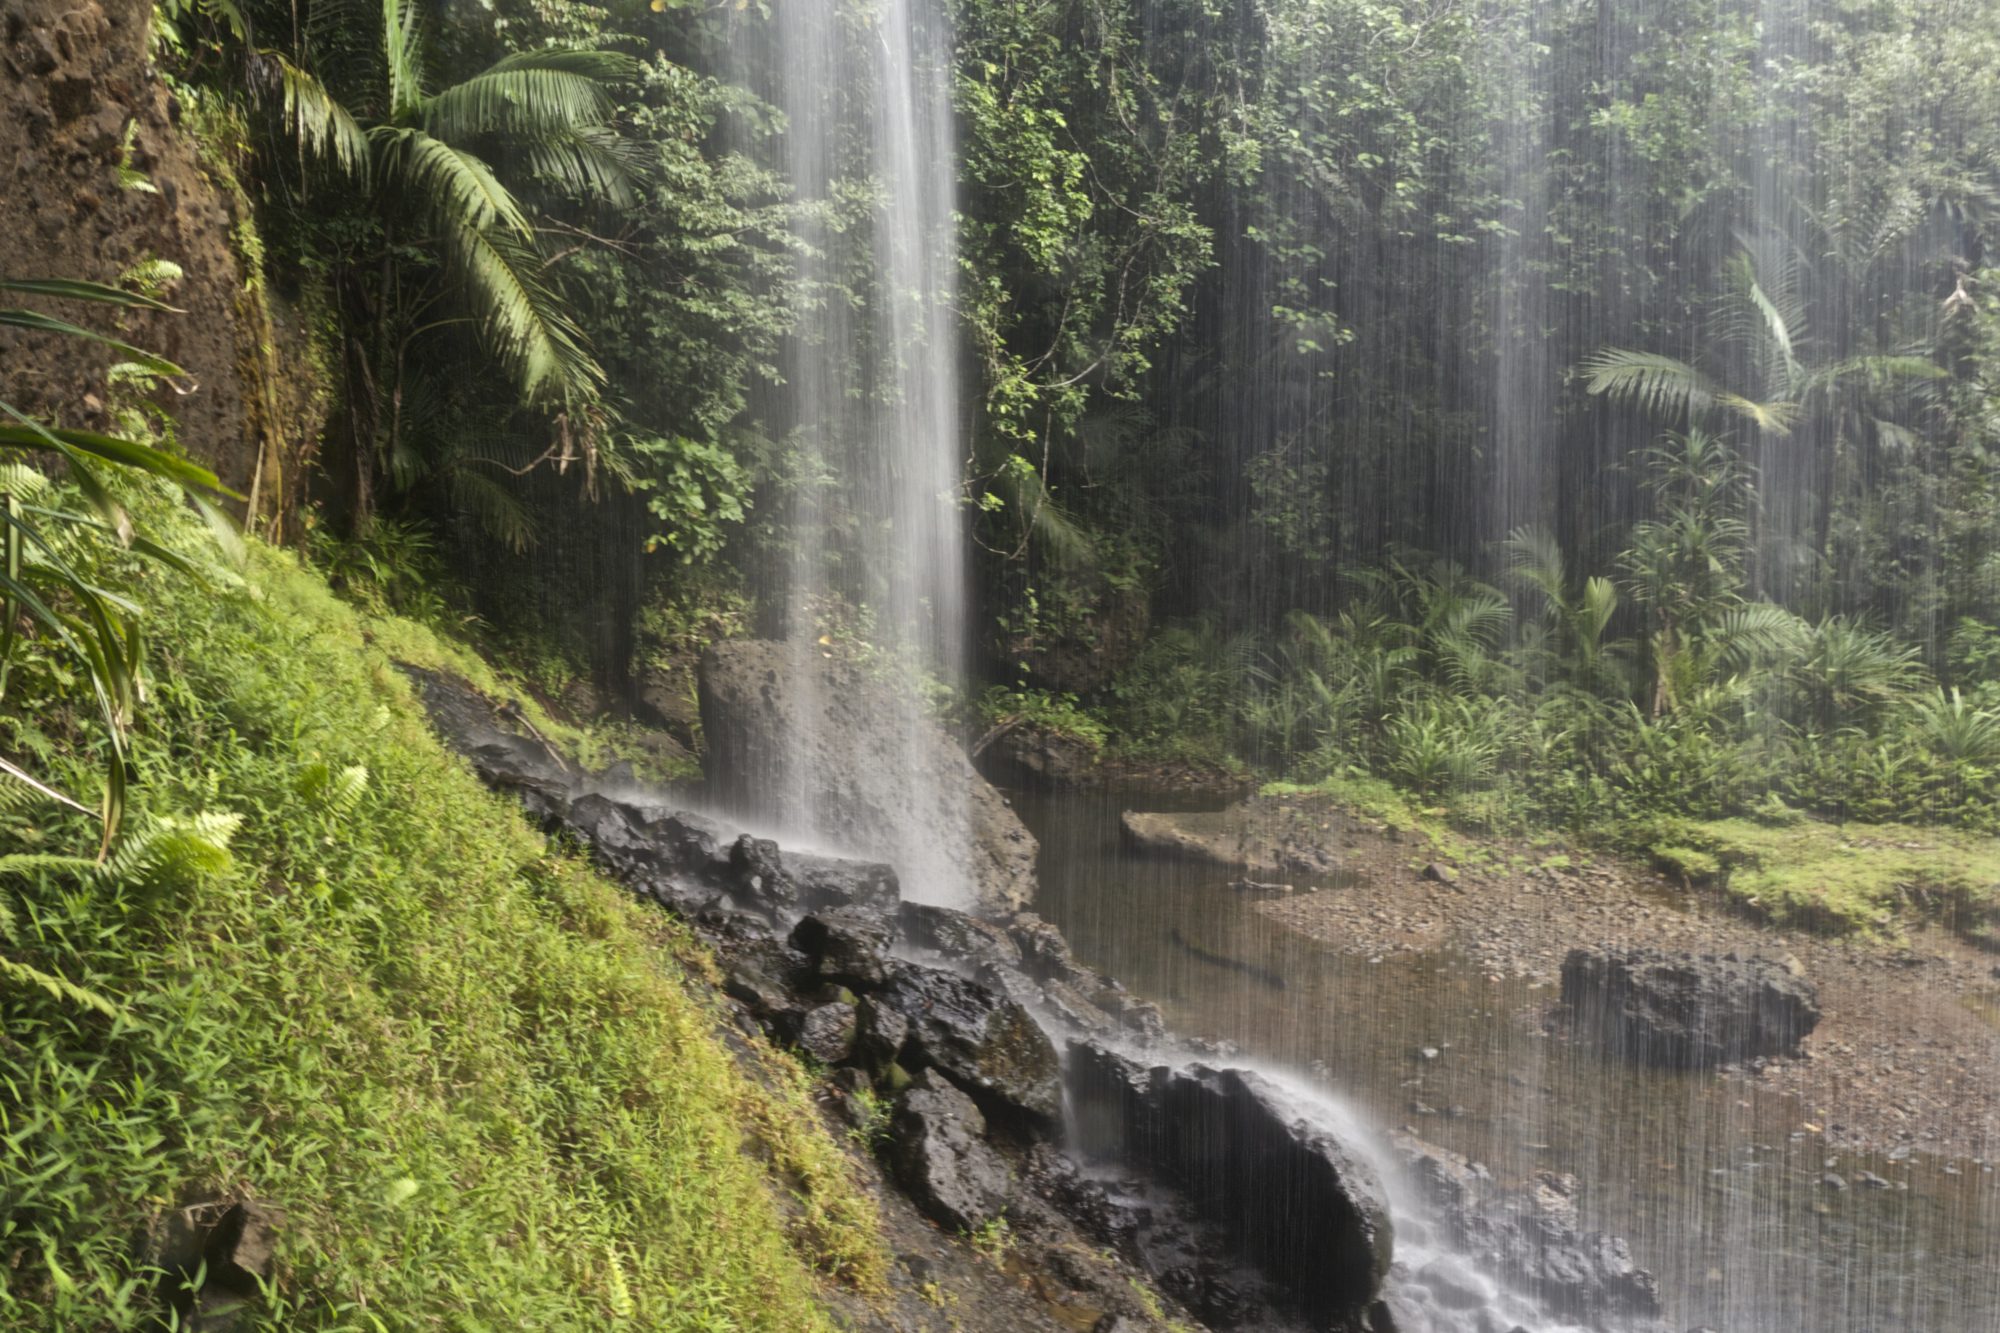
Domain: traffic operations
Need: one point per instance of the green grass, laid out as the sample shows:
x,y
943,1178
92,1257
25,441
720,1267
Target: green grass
x,y
472,1073
1399,811
1849,878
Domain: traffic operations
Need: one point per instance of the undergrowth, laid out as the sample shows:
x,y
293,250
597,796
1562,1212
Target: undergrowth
x,y
334,974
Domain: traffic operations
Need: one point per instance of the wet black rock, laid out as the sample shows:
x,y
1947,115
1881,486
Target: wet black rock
x,y
825,1031
1687,1011
1045,954
986,1043
958,935
1294,1198
757,877
936,1148
848,945
879,1033
830,881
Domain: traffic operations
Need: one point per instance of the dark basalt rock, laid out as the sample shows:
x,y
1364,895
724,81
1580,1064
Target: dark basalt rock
x,y
829,881
848,945
826,1031
937,1151
757,877
958,935
1045,954
1687,1011
988,1044
1292,1197
879,1034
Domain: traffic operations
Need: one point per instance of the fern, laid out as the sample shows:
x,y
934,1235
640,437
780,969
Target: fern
x,y
23,975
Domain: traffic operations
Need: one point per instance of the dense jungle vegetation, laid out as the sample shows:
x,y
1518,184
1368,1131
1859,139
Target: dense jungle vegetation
x,y
1559,409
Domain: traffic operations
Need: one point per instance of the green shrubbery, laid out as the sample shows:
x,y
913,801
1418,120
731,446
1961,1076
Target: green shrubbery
x,y
328,971
1518,708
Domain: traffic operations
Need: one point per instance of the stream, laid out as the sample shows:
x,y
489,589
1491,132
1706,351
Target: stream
x,y
1721,1189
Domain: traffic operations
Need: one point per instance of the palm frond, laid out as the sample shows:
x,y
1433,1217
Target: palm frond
x,y
402,56
1535,557
522,319
1759,630
455,188
1776,417
593,163
1658,385
499,511
33,321
72,289
533,94
324,127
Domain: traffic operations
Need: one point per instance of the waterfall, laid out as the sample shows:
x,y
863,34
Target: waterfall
x,y
876,566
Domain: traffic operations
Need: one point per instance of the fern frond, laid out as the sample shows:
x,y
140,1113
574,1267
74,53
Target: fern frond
x,y
25,863
61,989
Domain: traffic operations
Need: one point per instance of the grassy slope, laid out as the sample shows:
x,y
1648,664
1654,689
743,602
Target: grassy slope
x,y
467,1068
1841,877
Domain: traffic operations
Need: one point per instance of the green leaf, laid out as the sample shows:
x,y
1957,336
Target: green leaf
x,y
33,321
70,289
112,449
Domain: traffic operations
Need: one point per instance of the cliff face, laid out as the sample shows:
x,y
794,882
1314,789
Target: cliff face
x,y
99,172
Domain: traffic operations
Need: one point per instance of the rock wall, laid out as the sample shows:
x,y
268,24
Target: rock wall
x,y
80,99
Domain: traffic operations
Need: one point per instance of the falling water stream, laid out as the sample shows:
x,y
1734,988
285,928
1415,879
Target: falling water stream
x,y
878,542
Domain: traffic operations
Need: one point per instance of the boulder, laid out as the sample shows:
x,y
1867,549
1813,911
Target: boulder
x,y
830,881
986,1043
1270,839
758,878
1045,954
937,1151
1294,1198
825,1031
958,935
800,741
879,1034
1687,1011
848,945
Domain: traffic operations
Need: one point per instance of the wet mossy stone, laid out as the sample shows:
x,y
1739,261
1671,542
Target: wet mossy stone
x,y
986,1043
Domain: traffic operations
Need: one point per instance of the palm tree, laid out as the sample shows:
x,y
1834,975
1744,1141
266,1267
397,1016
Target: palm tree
x,y
1758,336
1580,617
424,160
1765,327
